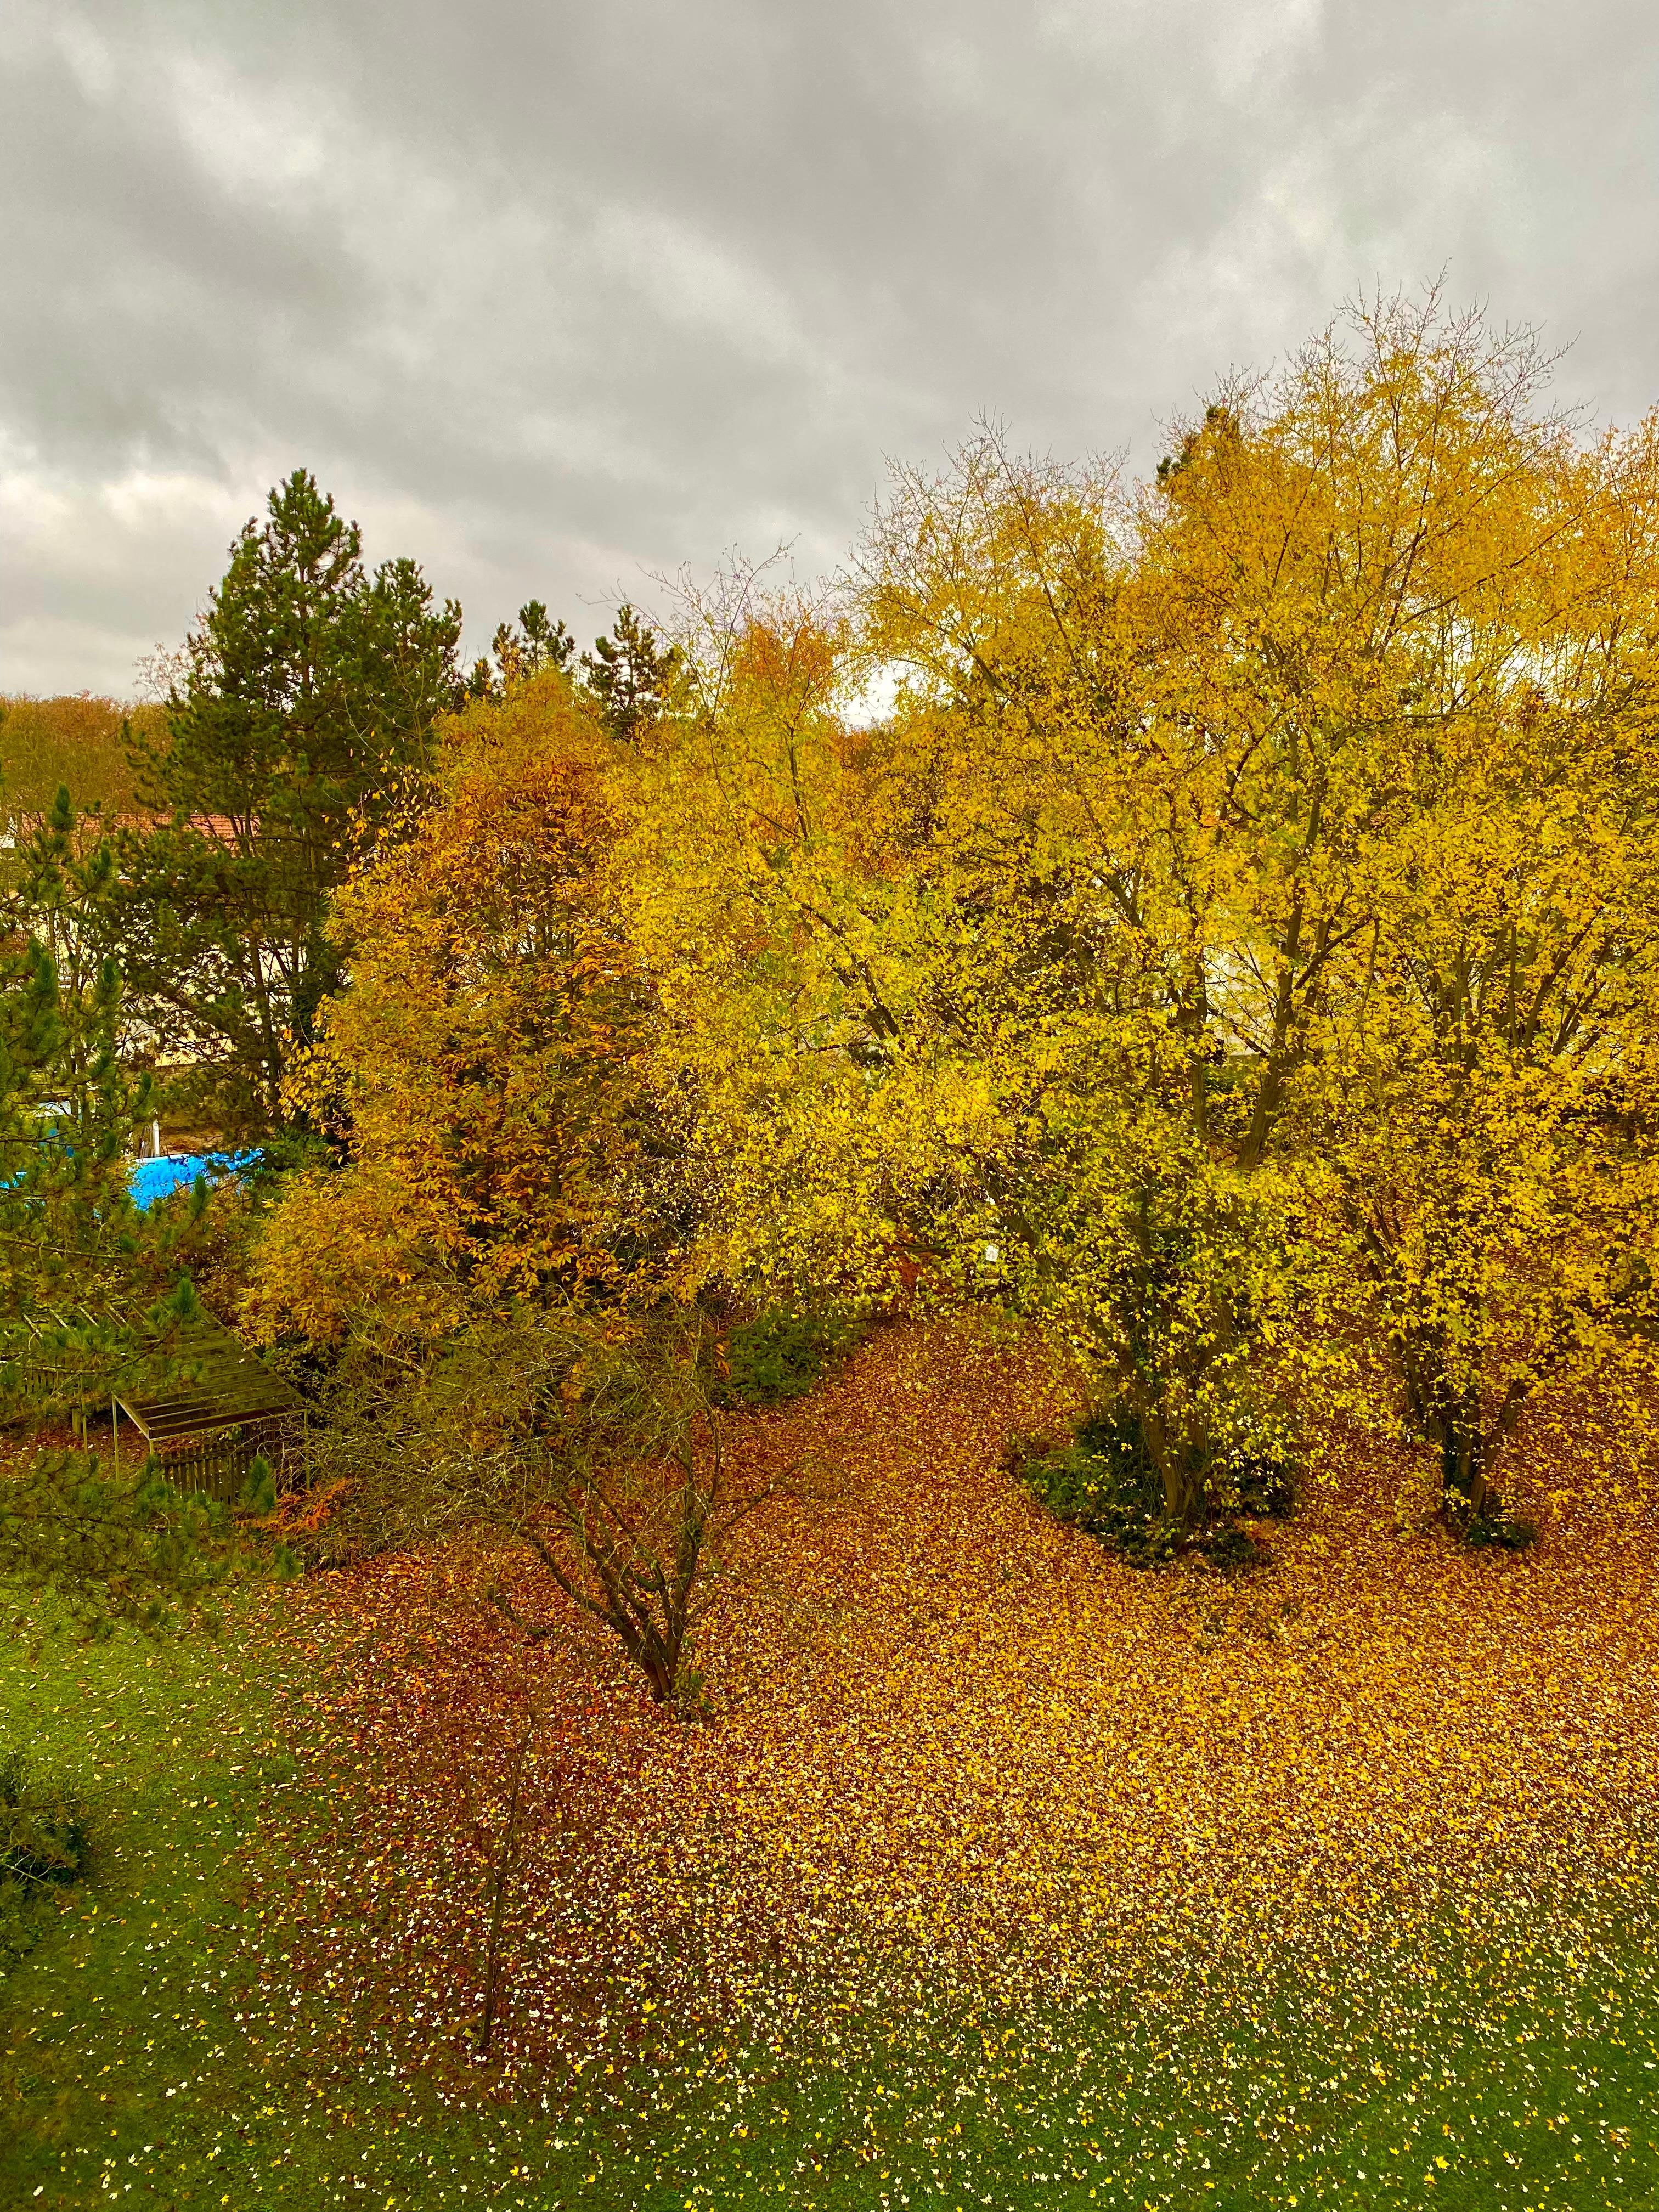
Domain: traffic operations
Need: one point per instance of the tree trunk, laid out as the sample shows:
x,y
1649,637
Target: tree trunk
x,y
498,1900
1451,1416
1466,1449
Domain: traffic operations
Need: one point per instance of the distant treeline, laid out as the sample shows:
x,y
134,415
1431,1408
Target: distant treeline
x,y
77,740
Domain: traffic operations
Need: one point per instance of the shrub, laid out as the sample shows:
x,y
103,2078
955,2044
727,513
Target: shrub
x,y
1104,1481
43,1836
1496,1530
782,1353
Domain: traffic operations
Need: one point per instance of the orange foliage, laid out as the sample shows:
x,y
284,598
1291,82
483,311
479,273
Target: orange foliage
x,y
477,1070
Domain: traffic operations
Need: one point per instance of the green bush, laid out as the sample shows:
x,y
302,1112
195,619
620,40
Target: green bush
x,y
1105,1483
43,1847
43,1836
782,1353
1497,1530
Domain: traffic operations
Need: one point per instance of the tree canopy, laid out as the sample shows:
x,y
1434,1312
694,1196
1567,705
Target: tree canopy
x,y
1255,863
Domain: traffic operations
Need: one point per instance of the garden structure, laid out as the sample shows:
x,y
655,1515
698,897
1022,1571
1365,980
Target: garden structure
x,y
216,1409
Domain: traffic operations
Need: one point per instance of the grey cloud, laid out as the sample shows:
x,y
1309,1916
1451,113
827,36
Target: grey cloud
x,y
552,294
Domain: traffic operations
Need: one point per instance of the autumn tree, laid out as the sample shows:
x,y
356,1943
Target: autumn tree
x,y
583,1448
480,1075
1433,974
624,1497
78,741
1480,1101
1229,945
1080,938
945,1021
782,981
493,1264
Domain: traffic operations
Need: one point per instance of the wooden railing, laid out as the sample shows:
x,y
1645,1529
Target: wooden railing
x,y
218,1465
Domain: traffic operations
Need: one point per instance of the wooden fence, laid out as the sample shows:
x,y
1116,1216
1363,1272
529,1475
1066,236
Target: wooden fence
x,y
218,1465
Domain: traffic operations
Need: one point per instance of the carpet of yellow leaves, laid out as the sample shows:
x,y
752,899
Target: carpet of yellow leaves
x,y
962,1759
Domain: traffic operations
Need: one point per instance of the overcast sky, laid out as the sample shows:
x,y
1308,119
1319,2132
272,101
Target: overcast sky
x,y
551,295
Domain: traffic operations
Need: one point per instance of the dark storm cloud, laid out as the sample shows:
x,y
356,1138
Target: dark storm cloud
x,y
552,294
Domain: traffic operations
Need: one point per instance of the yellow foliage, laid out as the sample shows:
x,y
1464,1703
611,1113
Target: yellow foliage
x,y
76,740
1235,946
1285,821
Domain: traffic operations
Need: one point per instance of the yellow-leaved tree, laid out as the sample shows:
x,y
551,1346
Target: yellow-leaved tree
x,y
1480,1094
1143,964
1415,613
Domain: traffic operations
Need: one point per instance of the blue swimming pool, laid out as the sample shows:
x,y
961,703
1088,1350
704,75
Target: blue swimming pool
x,y
159,1178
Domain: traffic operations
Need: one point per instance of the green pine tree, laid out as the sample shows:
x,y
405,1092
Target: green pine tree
x,y
521,650
630,674
307,715
67,1107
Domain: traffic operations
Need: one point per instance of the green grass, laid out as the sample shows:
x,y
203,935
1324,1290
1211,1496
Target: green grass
x,y
1496,2059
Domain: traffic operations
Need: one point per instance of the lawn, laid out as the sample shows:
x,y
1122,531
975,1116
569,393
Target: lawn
x,y
1002,1876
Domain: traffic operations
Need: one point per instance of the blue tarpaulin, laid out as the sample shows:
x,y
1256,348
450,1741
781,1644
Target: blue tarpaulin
x,y
159,1178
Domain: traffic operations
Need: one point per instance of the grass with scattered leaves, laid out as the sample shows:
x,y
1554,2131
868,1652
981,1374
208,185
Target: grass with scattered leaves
x,y
1003,1876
